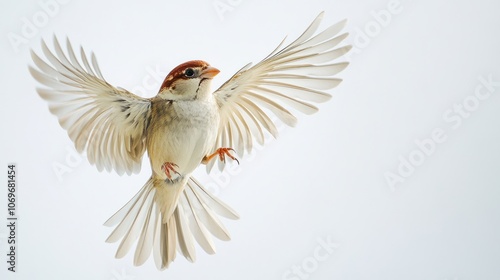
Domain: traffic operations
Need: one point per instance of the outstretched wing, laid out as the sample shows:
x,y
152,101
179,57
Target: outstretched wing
x,y
108,122
292,77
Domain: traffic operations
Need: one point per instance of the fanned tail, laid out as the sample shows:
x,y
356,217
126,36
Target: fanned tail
x,y
168,217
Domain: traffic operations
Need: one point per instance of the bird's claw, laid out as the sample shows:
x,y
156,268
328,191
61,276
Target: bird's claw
x,y
168,167
226,152
222,153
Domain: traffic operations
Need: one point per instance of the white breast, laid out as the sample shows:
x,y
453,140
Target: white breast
x,y
184,138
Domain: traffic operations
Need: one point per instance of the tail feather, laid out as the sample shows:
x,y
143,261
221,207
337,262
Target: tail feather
x,y
120,214
138,223
168,244
198,229
145,243
213,202
184,236
206,215
165,218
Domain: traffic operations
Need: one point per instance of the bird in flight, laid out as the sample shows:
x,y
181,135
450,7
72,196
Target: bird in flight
x,y
184,126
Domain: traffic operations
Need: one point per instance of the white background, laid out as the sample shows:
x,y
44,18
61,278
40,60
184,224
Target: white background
x,y
323,180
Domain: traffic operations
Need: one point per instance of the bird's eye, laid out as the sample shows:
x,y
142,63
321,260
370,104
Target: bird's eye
x,y
189,72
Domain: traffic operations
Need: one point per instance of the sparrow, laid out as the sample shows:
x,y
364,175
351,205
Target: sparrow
x,y
184,126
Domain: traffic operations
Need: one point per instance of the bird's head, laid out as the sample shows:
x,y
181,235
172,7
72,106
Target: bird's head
x,y
190,80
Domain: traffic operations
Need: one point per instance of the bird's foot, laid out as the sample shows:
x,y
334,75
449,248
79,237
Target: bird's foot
x,y
222,153
168,168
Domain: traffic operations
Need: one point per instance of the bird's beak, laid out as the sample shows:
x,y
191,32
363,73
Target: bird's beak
x,y
209,72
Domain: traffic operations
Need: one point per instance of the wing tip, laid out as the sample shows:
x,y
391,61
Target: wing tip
x,y
320,16
343,22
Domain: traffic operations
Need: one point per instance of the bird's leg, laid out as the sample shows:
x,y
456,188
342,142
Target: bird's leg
x,y
222,153
168,167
